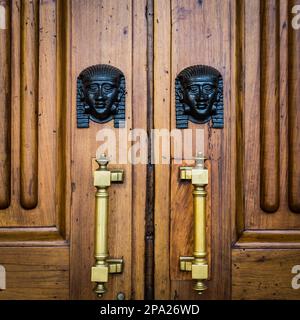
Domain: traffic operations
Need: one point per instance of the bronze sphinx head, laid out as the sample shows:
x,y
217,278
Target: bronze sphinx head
x,y
100,95
199,96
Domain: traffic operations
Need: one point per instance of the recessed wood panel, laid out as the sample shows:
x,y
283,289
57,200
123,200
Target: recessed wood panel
x,y
269,99
294,115
29,78
38,130
265,136
35,273
264,274
5,105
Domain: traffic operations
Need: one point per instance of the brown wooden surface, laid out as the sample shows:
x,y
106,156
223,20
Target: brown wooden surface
x,y
258,136
140,104
30,29
269,99
249,174
206,42
35,273
5,107
262,120
269,239
51,154
294,115
34,228
266,247
253,192
237,124
113,27
206,45
63,123
264,274
162,114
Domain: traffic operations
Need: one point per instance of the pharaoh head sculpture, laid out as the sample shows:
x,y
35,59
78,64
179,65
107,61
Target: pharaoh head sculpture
x,y
100,95
199,96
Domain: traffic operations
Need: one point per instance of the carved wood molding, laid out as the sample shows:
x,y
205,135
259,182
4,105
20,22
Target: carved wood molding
x,y
35,129
267,144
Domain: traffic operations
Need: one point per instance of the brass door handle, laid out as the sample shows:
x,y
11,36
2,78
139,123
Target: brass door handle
x,y
197,264
103,266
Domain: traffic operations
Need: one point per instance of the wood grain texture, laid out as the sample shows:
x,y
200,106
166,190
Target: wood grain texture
x,y
251,110
238,124
29,103
182,223
261,114
256,122
269,101
264,274
269,239
34,229
102,33
35,273
205,44
294,115
162,114
63,116
38,236
5,108
140,103
262,258
53,125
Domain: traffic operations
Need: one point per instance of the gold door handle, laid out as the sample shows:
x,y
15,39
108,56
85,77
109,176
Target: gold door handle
x,y
103,266
197,264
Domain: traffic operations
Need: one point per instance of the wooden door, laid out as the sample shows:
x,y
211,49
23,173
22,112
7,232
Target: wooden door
x,y
265,254
35,154
253,191
46,162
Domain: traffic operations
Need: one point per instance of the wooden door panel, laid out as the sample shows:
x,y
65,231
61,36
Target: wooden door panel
x,y
264,273
5,94
43,176
185,34
47,163
267,109
34,112
265,116
254,180
35,179
97,27
109,32
36,273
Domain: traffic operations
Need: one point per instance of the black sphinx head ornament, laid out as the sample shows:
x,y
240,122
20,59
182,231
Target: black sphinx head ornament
x,y
100,96
199,96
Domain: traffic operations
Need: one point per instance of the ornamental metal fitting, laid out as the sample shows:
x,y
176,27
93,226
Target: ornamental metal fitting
x,y
197,264
103,177
199,96
101,96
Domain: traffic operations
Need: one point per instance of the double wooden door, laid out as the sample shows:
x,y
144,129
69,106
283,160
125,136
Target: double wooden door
x,y
47,163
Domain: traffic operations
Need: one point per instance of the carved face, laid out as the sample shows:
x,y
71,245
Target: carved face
x,y
199,94
101,94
